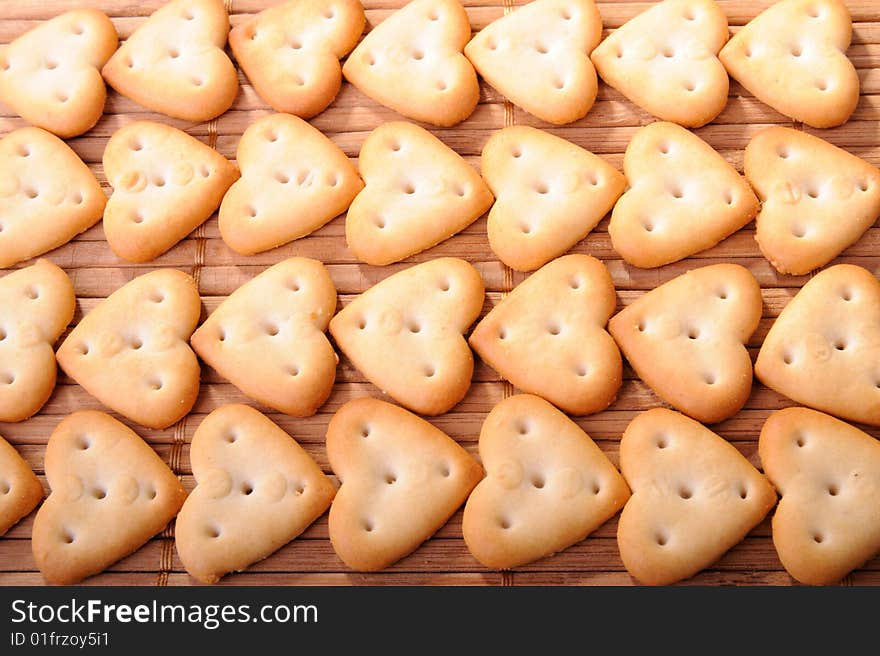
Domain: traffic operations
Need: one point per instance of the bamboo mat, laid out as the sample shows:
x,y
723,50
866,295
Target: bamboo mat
x,y
606,130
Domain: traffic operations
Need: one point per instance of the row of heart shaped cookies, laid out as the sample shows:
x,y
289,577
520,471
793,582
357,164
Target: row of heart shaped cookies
x,y
686,339
687,495
543,193
420,61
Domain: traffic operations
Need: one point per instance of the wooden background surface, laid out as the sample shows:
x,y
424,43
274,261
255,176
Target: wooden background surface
x,y
606,130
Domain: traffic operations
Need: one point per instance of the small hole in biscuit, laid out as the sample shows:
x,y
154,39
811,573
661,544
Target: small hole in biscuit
x,y
271,329
677,192
414,327
212,531
151,493
662,539
433,15
283,178
129,62
813,12
31,193
787,358
67,536
618,52
51,64
445,471
743,492
504,523
822,85
83,442
747,50
863,185
197,81
801,441
516,152
368,525
445,286
840,344
566,14
293,286
332,179
593,178
441,85
575,282
525,228
365,431
846,295
430,370
812,192
491,44
293,370
641,326
83,349
395,146
818,538
668,52
174,53
690,86
24,151
728,197
418,55
362,323
369,59
230,436
32,292
833,490
299,488
77,198
204,171
722,294
709,378
159,181
662,442
693,333
541,48
390,479
2,334
299,80
685,492
135,145
648,225
187,14
522,427
7,378
459,190
329,13
538,481
558,83
155,384
796,51
581,370
409,188
271,136
136,343
554,328
247,489
689,14
5,65
251,211
542,188
782,151
799,231
296,44
502,333
99,493
4,487
157,297
78,30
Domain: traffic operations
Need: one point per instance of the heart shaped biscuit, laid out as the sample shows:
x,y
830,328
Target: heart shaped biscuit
x,y
38,303
51,76
110,494
131,352
686,339
406,333
683,197
402,479
548,337
549,194
256,490
418,193
547,485
539,57
828,474
20,489
822,351
694,496
807,185
412,62
290,52
793,57
294,180
665,61
165,184
174,63
268,338
47,195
